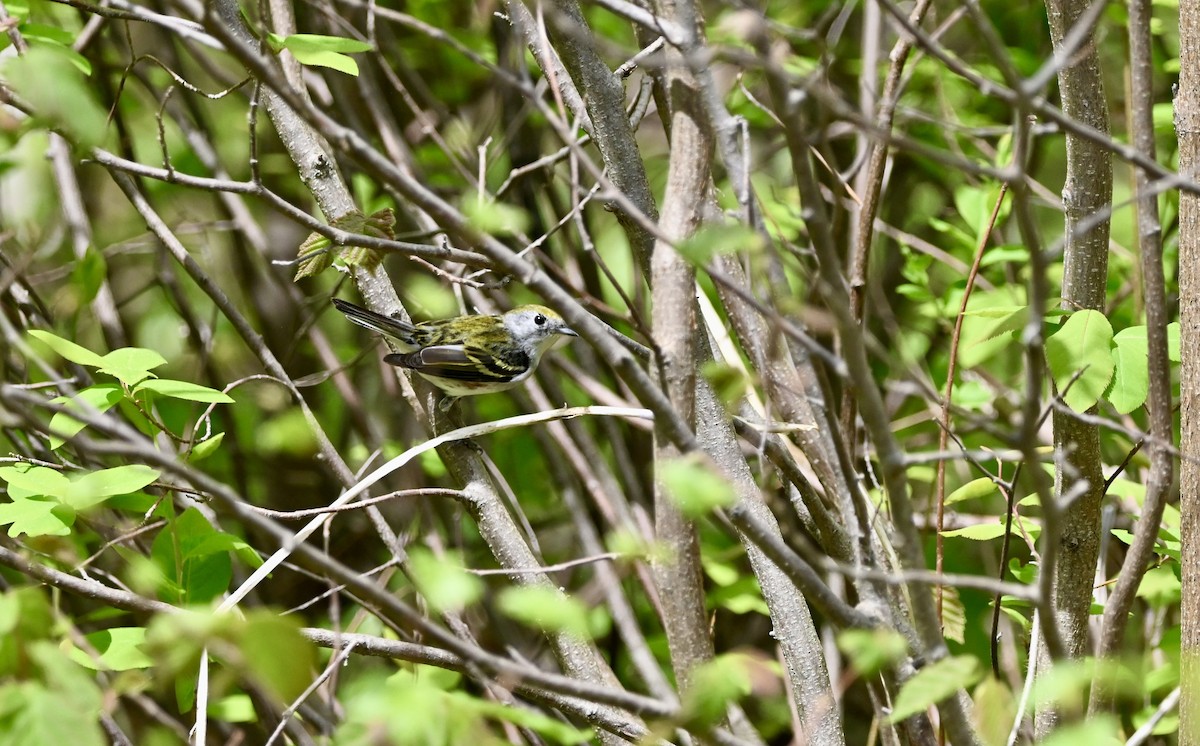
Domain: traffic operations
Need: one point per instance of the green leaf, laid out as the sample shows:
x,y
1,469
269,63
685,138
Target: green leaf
x,y
322,51
695,486
57,93
119,649
204,448
1160,587
1011,253
1098,730
25,480
67,350
975,489
236,708
988,325
1131,373
61,705
314,256
195,574
721,573
934,683
1173,342
546,608
1023,573
219,541
101,398
276,654
728,382
1164,726
131,365
495,218
978,532
444,584
321,43
714,240
548,727
184,390
92,489
994,710
36,516
954,616
714,685
872,650
47,33
89,274
1081,348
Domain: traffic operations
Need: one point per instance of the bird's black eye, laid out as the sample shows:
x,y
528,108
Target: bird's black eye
x,y
540,320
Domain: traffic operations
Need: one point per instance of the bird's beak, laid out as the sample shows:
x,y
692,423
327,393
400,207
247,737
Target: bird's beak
x,y
567,331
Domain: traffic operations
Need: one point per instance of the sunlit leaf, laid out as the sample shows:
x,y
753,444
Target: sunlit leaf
x,y
1080,360
184,390
67,349
933,683
443,582
872,650
547,608
695,487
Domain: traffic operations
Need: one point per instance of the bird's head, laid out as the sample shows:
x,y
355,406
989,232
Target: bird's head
x,y
536,328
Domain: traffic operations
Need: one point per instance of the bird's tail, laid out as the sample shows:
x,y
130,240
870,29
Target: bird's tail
x,y
395,328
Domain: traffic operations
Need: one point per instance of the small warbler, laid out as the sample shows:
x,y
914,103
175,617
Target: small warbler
x,y
468,355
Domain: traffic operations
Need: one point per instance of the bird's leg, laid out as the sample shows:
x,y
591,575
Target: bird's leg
x,y
447,403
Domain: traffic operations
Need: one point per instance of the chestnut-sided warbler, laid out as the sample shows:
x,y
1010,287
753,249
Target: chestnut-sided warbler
x,y
468,355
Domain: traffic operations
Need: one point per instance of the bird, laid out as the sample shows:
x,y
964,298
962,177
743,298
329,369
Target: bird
x,y
471,354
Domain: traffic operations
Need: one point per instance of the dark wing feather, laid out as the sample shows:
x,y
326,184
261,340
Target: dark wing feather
x,y
463,363
395,328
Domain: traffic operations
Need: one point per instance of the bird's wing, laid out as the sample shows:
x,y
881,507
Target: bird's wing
x,y
462,363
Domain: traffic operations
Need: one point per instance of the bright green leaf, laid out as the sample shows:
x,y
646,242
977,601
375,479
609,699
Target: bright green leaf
x,y
91,489
36,517
1098,730
495,218
119,649
994,710
695,487
322,51
25,480
978,532
975,489
89,274
277,654
236,708
552,730
1079,355
872,650
547,608
101,398
1160,587
66,349
130,365
443,582
48,81
721,573
184,390
715,240
1131,375
205,448
320,43
714,685
933,683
